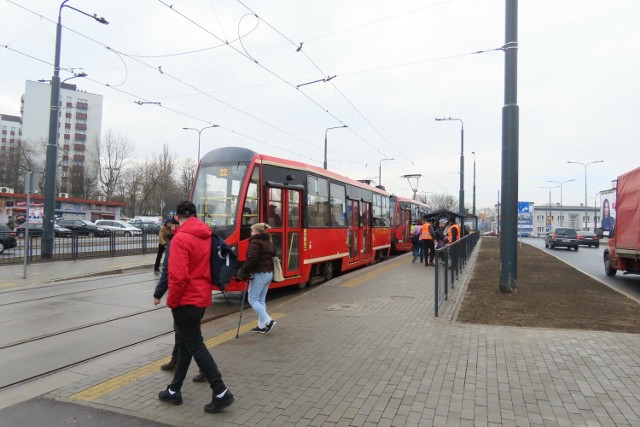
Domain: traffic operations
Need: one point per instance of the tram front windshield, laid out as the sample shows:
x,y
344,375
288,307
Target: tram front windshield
x,y
216,195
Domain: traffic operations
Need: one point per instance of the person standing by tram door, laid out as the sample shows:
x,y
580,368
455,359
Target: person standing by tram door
x,y
428,239
259,265
189,295
161,289
415,240
162,243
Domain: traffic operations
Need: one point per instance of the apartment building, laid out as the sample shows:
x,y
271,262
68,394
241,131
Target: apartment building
x,y
11,130
79,126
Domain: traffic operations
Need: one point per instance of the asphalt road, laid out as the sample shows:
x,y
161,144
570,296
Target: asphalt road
x,y
590,261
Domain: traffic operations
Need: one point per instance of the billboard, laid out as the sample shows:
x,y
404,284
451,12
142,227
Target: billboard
x,y
607,210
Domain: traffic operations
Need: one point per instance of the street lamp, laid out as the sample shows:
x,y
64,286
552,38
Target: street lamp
x,y
324,165
380,170
549,214
461,197
586,225
52,145
560,183
474,182
200,134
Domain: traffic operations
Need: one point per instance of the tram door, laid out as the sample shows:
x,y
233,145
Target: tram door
x,y
359,229
405,226
283,216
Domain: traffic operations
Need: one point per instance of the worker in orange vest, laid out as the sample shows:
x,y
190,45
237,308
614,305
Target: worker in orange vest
x,y
454,231
428,242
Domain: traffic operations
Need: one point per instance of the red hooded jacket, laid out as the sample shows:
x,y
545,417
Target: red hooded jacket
x,y
189,267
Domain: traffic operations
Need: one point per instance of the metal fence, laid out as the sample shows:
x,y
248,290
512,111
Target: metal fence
x,y
80,247
449,263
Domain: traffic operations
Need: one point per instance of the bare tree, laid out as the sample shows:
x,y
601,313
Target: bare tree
x,y
439,201
187,174
109,156
27,157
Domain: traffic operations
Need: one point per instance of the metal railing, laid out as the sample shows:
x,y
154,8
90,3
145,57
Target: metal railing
x,y
80,247
449,263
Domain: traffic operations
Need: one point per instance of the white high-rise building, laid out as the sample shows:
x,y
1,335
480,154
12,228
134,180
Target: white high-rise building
x,y
79,125
10,128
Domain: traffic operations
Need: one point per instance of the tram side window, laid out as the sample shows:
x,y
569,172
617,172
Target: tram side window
x,y
377,211
318,201
250,212
385,211
338,206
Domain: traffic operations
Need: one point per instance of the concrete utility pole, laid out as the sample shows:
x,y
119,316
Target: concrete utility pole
x,y
510,147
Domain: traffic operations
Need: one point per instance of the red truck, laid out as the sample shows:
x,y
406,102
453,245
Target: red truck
x,y
623,250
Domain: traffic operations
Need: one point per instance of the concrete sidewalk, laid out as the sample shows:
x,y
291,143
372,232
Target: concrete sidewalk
x,y
365,350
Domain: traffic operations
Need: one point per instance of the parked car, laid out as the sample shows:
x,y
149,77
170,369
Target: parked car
x,y
7,238
588,238
84,228
562,237
147,226
35,230
119,227
492,233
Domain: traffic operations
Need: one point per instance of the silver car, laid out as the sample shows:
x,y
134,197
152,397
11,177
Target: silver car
x,y
119,227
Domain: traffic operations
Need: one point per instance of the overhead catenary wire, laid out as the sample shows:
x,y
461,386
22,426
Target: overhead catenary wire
x,y
198,90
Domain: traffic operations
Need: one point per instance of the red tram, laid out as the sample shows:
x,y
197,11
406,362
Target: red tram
x,y
322,222
405,213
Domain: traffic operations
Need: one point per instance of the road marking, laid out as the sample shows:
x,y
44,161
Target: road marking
x,y
120,381
357,281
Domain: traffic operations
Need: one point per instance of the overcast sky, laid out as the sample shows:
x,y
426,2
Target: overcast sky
x,y
397,66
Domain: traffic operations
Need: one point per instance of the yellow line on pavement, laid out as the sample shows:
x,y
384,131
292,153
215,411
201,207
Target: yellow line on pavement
x,y
357,281
120,381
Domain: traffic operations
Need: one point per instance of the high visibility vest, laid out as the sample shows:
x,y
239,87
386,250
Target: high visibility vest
x,y
426,231
451,227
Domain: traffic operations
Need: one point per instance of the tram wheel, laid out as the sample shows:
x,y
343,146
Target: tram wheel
x,y
327,271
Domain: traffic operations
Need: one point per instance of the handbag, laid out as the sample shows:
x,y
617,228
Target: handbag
x,y
277,270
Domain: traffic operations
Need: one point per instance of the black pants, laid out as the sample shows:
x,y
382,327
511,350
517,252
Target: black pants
x,y
429,251
187,323
161,249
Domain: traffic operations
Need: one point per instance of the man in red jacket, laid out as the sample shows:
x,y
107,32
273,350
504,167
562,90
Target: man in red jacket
x,y
189,296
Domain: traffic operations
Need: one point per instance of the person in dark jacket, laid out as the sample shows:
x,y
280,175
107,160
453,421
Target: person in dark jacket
x,y
165,230
189,295
259,265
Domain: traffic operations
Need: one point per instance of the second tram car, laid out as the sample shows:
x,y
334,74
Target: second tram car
x,y
405,213
321,222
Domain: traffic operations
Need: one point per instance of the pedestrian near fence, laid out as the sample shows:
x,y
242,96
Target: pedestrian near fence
x,y
189,295
428,238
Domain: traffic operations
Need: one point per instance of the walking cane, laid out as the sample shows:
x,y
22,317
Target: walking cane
x,y
244,294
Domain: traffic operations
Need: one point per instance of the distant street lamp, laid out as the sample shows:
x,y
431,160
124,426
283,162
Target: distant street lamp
x,y
461,197
200,134
549,214
52,145
586,224
380,170
324,165
560,183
